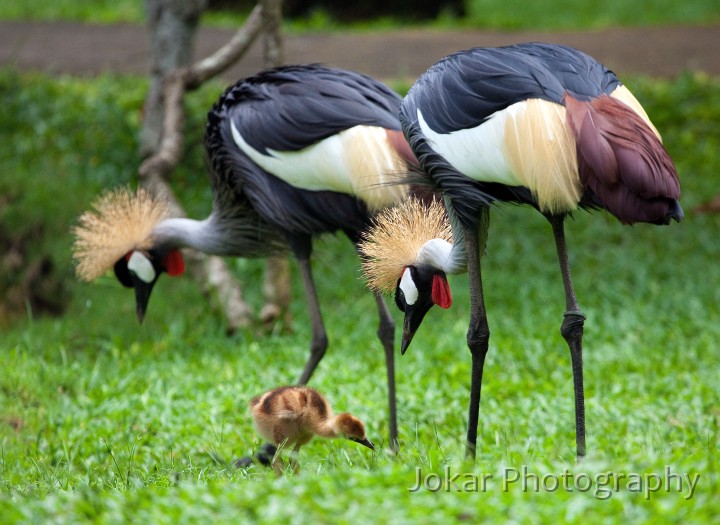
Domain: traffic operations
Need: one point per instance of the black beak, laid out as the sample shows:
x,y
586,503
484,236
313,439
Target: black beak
x,y
366,442
407,335
142,296
414,316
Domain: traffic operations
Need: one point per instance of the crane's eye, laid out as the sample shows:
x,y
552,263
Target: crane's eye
x,y
400,299
122,273
141,266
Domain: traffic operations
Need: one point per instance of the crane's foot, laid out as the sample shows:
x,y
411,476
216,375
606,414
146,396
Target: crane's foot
x,y
264,457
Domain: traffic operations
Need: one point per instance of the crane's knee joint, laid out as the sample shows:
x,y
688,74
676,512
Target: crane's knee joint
x,y
319,345
573,323
386,330
478,340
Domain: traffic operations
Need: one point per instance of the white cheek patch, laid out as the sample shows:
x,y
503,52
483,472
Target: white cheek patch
x,y
408,287
141,267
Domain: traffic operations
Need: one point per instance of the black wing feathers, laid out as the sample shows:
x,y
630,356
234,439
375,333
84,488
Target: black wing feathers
x,y
293,107
481,81
288,109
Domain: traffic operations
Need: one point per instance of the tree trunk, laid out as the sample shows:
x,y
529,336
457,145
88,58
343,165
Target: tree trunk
x,y
276,285
173,24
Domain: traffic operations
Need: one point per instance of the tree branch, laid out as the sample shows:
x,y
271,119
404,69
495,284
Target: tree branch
x,y
155,171
276,280
230,53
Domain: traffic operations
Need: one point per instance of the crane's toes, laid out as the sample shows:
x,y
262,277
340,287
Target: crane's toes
x,y
243,462
266,454
264,457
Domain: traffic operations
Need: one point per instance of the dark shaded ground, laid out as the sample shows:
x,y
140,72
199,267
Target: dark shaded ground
x,y
62,47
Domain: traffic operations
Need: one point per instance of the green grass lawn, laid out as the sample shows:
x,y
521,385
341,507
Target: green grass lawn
x,y
496,14
106,421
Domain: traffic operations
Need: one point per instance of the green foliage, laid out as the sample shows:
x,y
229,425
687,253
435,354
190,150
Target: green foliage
x,y
91,11
105,421
499,14
64,141
584,14
57,152
546,15
687,114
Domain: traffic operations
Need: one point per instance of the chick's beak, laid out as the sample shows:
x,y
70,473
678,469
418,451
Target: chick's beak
x,y
366,442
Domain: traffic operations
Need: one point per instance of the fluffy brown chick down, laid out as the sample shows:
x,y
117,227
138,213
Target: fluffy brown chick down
x,y
294,414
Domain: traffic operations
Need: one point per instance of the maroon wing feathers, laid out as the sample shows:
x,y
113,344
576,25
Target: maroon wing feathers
x,y
622,161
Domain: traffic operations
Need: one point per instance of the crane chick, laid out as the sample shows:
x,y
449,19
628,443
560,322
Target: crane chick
x,y
292,415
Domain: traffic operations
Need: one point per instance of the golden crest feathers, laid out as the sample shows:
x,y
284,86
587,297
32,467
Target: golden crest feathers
x,y
395,238
120,221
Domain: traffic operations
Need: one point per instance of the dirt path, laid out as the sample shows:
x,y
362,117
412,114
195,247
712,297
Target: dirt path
x,y
89,49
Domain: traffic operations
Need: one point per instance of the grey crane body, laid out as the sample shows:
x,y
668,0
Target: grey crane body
x,y
293,152
536,124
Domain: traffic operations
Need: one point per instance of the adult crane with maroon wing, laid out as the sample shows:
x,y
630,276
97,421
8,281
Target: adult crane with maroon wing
x,y
538,124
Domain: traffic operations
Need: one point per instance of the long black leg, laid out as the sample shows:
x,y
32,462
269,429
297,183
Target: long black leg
x,y
571,330
319,341
301,246
478,335
386,334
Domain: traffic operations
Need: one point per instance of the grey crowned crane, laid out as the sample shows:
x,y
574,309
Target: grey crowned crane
x,y
294,152
536,124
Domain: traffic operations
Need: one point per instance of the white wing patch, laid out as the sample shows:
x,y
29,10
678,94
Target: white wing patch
x,y
476,152
542,151
357,161
526,144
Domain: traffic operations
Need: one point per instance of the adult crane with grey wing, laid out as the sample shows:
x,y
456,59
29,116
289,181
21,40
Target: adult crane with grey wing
x,y
294,152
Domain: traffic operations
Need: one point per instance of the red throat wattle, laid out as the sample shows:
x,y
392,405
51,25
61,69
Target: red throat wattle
x,y
174,263
441,295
